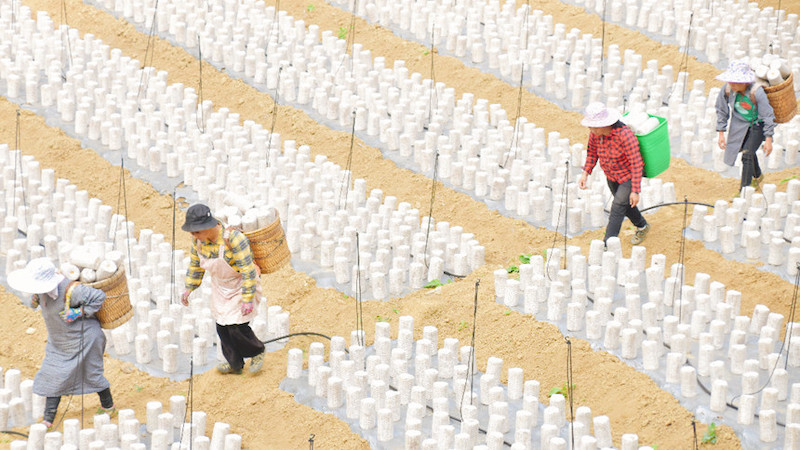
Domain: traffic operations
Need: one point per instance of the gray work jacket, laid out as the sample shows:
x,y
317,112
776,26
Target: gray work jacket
x,y
738,124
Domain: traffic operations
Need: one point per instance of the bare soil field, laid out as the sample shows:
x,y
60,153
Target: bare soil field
x,y
254,406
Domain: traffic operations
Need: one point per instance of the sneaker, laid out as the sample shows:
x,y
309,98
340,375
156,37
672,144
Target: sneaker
x,y
225,368
110,411
640,234
256,362
49,425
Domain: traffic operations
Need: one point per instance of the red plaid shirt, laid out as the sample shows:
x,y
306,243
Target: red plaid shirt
x,y
619,157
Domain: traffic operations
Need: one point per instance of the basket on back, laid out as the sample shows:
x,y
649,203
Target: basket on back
x,y
781,98
269,247
117,309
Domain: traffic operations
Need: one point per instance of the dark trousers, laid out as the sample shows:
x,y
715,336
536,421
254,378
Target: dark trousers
x,y
621,208
752,140
238,342
51,404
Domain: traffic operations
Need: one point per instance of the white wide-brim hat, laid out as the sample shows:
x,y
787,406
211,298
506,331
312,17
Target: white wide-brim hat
x,y
598,115
738,72
38,276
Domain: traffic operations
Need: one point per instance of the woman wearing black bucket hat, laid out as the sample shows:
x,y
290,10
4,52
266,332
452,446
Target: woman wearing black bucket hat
x,y
224,254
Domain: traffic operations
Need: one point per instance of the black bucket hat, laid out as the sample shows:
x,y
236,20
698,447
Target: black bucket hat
x,y
198,217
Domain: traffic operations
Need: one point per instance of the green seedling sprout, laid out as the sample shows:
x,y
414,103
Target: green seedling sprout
x,y
507,312
711,434
342,33
463,324
380,318
786,180
512,269
525,258
436,283
310,7
563,390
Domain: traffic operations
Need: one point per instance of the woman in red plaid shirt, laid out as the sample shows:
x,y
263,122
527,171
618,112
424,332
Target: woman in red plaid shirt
x,y
613,144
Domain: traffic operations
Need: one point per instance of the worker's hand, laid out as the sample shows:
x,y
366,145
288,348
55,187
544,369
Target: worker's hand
x,y
185,297
634,199
767,146
71,314
247,308
582,182
721,140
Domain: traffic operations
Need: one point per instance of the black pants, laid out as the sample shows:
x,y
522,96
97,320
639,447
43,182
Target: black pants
x,y
752,140
238,342
621,208
51,404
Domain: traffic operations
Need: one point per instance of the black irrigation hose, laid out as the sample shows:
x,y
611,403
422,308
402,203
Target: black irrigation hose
x,y
302,333
453,275
729,404
700,383
312,333
675,203
15,433
681,203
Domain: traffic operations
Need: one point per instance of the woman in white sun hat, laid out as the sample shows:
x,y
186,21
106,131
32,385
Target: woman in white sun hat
x,y
752,121
69,311
615,146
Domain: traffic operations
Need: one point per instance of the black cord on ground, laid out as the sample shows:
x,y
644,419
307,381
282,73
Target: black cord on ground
x,y
681,257
569,391
469,370
189,409
14,433
349,39
694,432
790,330
566,210
122,202
149,51
436,156
453,275
191,400
471,359
558,223
202,113
786,339
348,168
700,383
274,113
430,210
64,21
359,310
274,22
172,267
433,73
515,138
685,202
18,159
684,64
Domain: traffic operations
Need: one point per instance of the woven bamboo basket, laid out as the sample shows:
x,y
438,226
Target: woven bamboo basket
x,y
117,309
269,247
782,100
